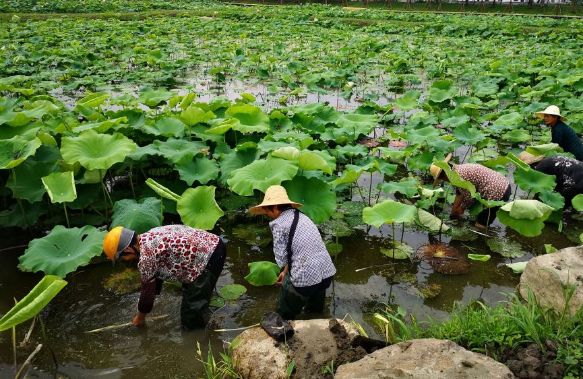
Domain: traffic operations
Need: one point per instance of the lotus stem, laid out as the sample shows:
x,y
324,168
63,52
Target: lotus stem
x,y
393,225
66,215
370,189
14,344
402,232
28,360
131,176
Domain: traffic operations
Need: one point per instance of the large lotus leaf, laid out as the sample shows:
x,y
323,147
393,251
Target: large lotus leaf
x,y
427,135
200,169
314,116
173,149
484,88
198,208
316,160
21,118
574,105
389,212
544,149
60,186
577,202
100,126
22,215
505,247
350,174
510,120
355,124
139,216
408,101
398,251
152,98
517,135
534,181
455,179
232,291
96,151
251,118
93,100
16,150
552,199
195,115
318,198
528,228
26,182
441,90
62,250
288,152
161,190
262,273
260,175
456,122
468,135
235,160
350,151
33,302
407,186
221,126
527,209
431,222
170,127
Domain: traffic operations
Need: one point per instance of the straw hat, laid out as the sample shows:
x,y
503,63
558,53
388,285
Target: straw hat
x,y
552,110
436,171
275,195
529,158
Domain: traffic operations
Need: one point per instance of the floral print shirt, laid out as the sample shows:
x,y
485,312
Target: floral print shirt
x,y
490,184
175,252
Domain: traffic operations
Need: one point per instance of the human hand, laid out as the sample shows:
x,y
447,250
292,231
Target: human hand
x,y
139,319
280,278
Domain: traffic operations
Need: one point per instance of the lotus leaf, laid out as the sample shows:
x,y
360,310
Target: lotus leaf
x,y
441,90
194,115
349,175
518,267
479,257
217,302
96,151
317,197
62,250
262,273
509,121
355,124
407,186
288,152
484,88
139,216
161,190
60,187
173,149
251,119
458,122
408,101
315,160
100,127
544,149
505,247
454,178
23,214
334,248
389,212
468,135
552,199
336,227
431,222
398,251
198,208
427,135
170,127
152,97
16,150
200,169
260,175
549,248
517,135
26,182
94,100
577,202
232,291
527,209
34,302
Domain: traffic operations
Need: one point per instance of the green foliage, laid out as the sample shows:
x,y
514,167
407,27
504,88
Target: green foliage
x,y
262,273
232,291
140,216
198,208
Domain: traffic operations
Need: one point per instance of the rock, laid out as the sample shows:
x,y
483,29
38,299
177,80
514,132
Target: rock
x,y
424,358
314,345
548,274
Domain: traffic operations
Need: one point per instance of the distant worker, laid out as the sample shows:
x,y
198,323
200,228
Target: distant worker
x,y
490,184
561,133
179,253
306,267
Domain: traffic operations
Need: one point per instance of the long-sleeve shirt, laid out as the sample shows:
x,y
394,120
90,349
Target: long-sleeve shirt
x,y
172,252
491,185
311,262
566,137
568,173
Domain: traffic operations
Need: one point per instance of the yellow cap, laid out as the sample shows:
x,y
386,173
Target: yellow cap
x,y
116,240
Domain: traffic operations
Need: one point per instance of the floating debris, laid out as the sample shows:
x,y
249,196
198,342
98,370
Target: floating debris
x,y
443,258
122,283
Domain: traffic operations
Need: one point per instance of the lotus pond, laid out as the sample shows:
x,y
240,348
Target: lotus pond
x,y
142,121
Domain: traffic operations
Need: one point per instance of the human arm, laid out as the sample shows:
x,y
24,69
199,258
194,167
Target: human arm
x,y
457,209
146,301
282,275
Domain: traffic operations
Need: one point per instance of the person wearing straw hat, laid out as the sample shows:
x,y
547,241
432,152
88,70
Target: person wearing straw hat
x,y
561,133
491,185
306,267
178,253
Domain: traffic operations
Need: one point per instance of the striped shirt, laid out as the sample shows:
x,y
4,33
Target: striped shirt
x,y
490,184
311,262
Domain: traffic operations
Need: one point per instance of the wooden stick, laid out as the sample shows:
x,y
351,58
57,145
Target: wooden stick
x,y
235,329
28,360
120,326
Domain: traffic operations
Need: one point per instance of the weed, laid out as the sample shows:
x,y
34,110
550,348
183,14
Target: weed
x,y
213,369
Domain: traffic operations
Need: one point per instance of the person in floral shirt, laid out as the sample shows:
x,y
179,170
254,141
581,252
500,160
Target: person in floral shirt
x,y
179,253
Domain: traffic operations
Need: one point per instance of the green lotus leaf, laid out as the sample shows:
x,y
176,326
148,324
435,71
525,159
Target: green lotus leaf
x,y
577,202
399,251
351,151
26,182
349,175
389,212
96,151
515,160
36,111
60,186
479,257
314,116
574,105
407,186
455,179
262,273
161,190
198,208
441,90
260,175
16,150
34,302
518,267
484,88
408,101
22,215
251,118
517,135
102,126
94,100
355,124
217,302
468,135
152,98
200,169
457,122
510,120
139,216
234,160
528,228
170,127
314,160
505,247
173,149
194,115
62,250
552,199
427,135
549,248
232,291
317,197
288,152
431,222
222,126
534,181
527,209
334,248
544,149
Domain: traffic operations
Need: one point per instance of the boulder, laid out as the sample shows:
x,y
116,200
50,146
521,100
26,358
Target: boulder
x,y
547,275
424,358
314,345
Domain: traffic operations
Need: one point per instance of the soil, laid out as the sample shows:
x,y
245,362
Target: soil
x,y
533,362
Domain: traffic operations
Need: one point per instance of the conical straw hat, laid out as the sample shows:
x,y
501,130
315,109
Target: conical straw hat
x,y
436,171
552,110
275,195
529,158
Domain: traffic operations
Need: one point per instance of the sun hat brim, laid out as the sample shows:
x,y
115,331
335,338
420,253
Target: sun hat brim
x,y
529,158
260,209
436,171
274,195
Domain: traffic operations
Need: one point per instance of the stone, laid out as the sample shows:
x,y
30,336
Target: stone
x,y
314,345
547,275
424,358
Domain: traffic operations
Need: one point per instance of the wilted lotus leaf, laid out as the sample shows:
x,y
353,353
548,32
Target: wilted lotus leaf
x,y
262,273
505,247
62,250
369,142
122,283
443,259
253,234
232,291
198,208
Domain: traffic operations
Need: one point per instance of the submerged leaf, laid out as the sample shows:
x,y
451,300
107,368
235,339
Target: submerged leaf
x,y
232,291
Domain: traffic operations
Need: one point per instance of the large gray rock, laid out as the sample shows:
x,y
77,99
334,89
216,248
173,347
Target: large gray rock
x,y
424,358
547,275
314,345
